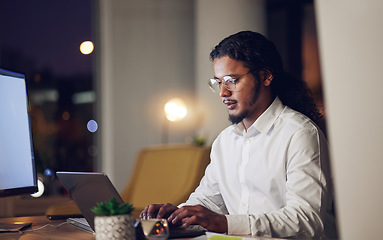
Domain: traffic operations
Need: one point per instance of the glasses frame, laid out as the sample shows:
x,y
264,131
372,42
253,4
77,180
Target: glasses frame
x,y
225,80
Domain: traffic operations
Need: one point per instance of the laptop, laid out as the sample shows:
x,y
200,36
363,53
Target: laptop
x,y
89,188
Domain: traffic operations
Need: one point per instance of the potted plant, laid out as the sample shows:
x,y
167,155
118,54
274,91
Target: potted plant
x,y
114,221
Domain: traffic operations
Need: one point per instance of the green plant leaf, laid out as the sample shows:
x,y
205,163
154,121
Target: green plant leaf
x,y
112,207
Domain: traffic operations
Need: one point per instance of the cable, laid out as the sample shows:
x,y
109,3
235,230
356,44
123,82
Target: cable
x,y
46,225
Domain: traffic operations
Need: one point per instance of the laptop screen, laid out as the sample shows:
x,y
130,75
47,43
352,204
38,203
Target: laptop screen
x,y
87,189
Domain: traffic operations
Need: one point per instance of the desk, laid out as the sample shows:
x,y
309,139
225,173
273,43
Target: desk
x,y
63,232
27,206
56,230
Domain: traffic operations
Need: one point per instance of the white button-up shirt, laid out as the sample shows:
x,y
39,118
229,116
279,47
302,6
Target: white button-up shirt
x,y
272,180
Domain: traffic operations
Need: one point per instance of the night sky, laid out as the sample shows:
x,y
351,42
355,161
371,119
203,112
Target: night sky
x,y
45,34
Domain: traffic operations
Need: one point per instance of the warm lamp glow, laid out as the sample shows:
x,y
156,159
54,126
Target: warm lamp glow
x,y
40,187
86,47
175,109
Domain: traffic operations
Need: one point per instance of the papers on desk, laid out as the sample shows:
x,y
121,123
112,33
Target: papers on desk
x,y
202,237
217,236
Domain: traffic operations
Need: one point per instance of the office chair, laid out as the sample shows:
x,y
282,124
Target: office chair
x,y
165,174
161,174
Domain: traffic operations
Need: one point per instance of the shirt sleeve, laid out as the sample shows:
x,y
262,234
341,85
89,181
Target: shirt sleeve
x,y
306,194
207,193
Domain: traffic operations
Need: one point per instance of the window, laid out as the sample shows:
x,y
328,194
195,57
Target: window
x,y
42,40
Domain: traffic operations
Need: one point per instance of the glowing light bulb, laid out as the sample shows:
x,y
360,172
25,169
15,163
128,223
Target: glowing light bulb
x,y
175,109
86,47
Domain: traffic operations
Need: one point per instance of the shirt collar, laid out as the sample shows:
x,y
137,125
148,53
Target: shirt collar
x,y
264,122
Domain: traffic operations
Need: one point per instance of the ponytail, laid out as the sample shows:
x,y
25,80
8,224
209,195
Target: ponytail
x,y
294,93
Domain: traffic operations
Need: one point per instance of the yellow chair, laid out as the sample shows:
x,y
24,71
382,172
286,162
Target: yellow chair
x,y
162,174
165,174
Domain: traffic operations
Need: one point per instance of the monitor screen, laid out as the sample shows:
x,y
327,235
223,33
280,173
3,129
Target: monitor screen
x,y
17,166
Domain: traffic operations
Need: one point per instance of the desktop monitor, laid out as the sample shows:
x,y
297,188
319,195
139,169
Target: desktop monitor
x,y
17,165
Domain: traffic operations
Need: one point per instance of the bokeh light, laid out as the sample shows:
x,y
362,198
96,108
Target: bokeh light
x,y
175,109
86,47
66,115
92,126
40,187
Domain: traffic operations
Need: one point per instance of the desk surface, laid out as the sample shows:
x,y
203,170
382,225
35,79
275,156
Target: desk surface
x,y
53,230
56,229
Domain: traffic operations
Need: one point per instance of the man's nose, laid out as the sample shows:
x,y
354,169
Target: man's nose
x,y
223,91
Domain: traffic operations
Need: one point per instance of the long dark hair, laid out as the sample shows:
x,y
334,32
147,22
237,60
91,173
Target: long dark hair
x,y
258,53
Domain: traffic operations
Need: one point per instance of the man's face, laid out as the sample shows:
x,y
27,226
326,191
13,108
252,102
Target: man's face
x,y
243,102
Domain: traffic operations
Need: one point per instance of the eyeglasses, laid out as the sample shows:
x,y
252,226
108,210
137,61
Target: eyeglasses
x,y
228,81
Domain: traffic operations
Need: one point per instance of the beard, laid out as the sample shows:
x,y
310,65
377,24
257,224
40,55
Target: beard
x,y
235,119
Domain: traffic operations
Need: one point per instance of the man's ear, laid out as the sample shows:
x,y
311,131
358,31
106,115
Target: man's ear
x,y
267,77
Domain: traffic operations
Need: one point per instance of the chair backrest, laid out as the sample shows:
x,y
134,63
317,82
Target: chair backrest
x,y
166,174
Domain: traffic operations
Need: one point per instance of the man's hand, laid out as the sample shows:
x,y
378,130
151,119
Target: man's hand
x,y
199,215
157,211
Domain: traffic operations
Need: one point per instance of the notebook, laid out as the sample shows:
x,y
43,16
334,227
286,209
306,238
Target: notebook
x,y
88,188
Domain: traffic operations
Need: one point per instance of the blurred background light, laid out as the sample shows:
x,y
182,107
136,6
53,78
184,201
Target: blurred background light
x,y
40,187
84,97
66,115
86,47
92,126
175,109
49,173
40,97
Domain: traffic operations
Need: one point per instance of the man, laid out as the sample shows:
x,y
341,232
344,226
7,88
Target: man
x,y
269,171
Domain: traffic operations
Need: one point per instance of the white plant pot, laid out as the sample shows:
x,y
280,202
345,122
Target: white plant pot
x,y
119,227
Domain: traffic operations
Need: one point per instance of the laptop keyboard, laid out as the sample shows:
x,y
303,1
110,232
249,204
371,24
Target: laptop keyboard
x,y
175,232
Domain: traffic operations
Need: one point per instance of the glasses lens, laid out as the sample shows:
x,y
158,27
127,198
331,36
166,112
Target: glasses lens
x,y
214,85
229,83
